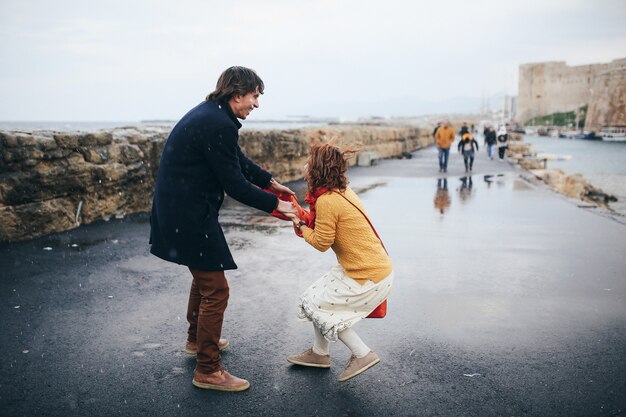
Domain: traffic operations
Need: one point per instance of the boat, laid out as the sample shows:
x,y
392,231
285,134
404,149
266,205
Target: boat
x,y
587,136
614,133
553,157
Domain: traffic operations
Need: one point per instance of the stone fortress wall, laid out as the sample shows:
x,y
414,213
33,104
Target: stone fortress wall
x,y
608,105
55,181
551,87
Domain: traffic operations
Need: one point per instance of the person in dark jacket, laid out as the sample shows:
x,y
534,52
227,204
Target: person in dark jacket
x,y
490,140
436,129
200,162
466,146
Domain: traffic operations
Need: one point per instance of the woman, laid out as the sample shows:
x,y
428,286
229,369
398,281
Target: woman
x,y
503,139
361,281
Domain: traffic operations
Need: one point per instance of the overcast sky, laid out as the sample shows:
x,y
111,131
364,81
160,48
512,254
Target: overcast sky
x,y
133,60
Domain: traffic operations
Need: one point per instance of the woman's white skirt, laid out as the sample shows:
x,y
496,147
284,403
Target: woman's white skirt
x,y
336,302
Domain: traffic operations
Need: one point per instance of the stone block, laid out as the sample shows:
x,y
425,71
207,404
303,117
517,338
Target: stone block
x,y
95,139
9,156
365,159
30,162
130,153
531,163
27,221
66,140
94,156
8,139
24,139
32,153
58,153
109,173
135,139
46,168
75,160
47,143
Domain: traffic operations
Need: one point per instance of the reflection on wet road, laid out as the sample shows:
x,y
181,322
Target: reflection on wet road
x,y
442,196
503,255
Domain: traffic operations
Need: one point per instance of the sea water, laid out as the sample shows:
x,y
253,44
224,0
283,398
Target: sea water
x,y
87,126
603,164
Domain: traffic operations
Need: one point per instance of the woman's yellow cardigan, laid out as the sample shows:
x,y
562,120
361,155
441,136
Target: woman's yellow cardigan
x,y
340,226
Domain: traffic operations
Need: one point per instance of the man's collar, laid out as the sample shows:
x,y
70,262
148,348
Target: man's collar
x,y
226,107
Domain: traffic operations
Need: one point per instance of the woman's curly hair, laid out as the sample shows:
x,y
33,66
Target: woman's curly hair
x,y
326,167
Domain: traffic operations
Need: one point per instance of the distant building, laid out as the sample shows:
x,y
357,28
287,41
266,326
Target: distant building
x,y
553,87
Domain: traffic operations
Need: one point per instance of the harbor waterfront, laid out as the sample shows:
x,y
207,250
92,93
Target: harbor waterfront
x,y
601,163
508,300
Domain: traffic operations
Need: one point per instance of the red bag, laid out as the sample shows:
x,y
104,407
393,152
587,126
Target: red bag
x,y
379,312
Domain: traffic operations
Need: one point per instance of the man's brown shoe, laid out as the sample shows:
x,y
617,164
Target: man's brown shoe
x,y
191,348
219,381
310,358
356,366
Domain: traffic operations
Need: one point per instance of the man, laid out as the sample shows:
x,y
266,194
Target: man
x,y
444,138
201,161
490,140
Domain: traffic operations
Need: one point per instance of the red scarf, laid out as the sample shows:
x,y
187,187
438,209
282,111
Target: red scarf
x,y
311,200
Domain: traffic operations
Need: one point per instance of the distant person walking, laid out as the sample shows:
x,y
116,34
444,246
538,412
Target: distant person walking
x,y
503,141
201,161
360,281
466,147
436,129
464,128
444,138
490,141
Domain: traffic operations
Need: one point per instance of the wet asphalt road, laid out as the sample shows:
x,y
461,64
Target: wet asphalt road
x,y
509,300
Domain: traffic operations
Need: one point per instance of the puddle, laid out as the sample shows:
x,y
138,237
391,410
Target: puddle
x,y
366,188
73,243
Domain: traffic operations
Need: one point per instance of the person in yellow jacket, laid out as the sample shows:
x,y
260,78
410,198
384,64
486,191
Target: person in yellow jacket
x,y
444,138
360,281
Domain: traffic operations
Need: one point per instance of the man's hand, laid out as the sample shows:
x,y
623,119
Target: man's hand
x,y
279,188
287,208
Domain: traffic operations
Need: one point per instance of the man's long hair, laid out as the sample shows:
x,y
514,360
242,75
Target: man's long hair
x,y
236,81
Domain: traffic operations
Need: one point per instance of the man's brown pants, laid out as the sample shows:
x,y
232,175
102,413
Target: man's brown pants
x,y
208,299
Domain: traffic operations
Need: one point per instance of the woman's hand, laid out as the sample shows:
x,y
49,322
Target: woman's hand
x,y
293,217
298,224
279,188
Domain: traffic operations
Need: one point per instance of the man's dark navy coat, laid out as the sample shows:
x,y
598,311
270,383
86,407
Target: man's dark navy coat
x,y
201,160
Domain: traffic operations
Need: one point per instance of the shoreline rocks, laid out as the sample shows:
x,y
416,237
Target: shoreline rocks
x,y
571,185
55,181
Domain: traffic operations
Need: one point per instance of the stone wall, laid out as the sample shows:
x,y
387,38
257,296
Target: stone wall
x,y
608,104
50,181
552,87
